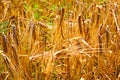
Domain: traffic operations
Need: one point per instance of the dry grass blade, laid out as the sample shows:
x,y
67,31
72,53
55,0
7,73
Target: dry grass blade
x,y
43,25
80,24
107,35
70,23
15,55
34,33
61,52
100,29
5,48
100,43
9,65
49,67
61,22
6,5
116,21
98,15
80,39
14,34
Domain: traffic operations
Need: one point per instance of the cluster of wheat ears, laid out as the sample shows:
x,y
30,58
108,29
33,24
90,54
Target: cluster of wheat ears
x,y
83,42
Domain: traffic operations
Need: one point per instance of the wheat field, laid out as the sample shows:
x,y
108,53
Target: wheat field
x,y
59,40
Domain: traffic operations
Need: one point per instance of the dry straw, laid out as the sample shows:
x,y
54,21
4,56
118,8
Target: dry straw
x,y
81,44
